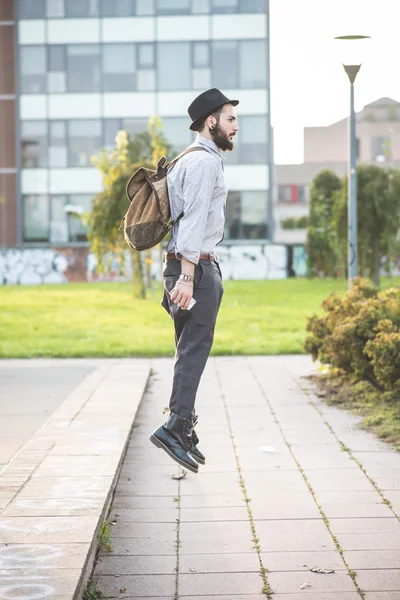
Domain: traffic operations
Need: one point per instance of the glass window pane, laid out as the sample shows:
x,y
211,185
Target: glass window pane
x,y
82,8
252,6
83,68
134,126
144,7
201,79
177,133
84,141
252,139
77,230
56,83
119,67
55,9
110,129
56,58
117,8
253,64
174,54
58,150
146,80
58,220
173,7
36,218
34,144
200,7
33,69
224,6
224,64
32,9
201,54
146,56
254,214
232,222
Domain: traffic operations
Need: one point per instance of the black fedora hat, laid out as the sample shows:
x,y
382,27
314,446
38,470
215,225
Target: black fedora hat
x,y
205,104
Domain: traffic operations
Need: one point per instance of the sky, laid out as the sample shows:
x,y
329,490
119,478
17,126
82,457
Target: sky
x,y
309,87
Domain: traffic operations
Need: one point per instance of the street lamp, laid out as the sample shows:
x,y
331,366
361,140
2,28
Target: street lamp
x,y
351,50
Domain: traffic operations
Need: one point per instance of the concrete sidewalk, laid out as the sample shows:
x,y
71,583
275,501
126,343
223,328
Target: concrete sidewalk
x,y
294,499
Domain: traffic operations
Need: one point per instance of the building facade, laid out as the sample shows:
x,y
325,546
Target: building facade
x,y
378,143
77,71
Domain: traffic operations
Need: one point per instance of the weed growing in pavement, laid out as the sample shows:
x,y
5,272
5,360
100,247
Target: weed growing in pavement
x,y
104,537
91,591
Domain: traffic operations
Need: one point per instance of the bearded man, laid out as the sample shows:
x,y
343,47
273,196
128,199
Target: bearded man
x,y
197,188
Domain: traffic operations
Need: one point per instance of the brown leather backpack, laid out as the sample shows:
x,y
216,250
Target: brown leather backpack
x,y
148,218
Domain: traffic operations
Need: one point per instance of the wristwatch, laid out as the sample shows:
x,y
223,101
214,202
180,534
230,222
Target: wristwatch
x,y
186,277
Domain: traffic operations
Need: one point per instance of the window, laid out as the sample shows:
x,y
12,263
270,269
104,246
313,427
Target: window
x,y
224,6
119,66
201,65
177,133
252,140
144,7
173,7
83,68
82,8
146,74
77,230
117,8
55,9
200,7
381,150
253,65
110,129
285,194
134,126
34,144
179,77
56,76
59,220
84,141
33,69
252,6
224,65
303,194
36,218
232,222
58,147
254,214
29,9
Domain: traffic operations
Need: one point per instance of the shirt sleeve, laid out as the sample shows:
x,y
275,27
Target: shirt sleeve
x,y
198,187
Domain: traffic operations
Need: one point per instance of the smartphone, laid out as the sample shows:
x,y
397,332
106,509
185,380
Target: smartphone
x,y
191,303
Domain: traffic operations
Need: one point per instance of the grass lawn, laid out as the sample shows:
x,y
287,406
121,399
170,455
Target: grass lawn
x,y
104,320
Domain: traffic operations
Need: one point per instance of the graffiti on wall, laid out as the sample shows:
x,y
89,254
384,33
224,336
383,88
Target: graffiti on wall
x,y
62,265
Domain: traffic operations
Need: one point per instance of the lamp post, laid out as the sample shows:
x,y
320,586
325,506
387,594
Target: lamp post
x,y
351,50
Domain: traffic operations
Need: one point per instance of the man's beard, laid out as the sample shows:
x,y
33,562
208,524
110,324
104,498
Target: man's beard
x,y
220,138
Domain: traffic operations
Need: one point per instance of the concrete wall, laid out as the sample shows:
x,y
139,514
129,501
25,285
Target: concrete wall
x,y
32,266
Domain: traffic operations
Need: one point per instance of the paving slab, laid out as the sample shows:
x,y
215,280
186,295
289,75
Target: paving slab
x,y
385,580
201,528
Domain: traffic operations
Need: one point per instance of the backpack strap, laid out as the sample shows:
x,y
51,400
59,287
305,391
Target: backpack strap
x,y
164,165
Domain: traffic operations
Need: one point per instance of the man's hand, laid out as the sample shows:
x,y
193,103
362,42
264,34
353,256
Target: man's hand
x,y
183,290
182,294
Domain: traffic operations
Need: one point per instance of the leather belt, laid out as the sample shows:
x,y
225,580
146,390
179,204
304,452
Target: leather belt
x,y
203,256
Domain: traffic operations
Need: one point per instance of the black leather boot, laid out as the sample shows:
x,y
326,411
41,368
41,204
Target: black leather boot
x,y
194,451
173,438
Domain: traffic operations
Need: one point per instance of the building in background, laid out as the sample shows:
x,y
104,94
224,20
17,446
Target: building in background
x,y
74,72
378,143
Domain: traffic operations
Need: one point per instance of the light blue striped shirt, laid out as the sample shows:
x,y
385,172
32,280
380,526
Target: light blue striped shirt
x,y
197,187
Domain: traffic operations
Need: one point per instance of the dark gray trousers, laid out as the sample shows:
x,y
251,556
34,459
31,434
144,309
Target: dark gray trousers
x,y
194,331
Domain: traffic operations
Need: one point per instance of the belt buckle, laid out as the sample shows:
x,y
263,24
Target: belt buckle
x,y
213,257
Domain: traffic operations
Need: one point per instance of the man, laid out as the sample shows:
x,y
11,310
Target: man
x,y
196,187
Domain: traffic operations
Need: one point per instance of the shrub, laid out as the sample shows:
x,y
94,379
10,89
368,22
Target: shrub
x,y
295,222
360,334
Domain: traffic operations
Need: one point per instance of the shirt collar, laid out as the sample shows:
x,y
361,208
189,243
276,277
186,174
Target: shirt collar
x,y
209,143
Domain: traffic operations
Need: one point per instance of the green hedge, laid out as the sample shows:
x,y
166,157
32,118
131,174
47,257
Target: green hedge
x,y
295,223
359,334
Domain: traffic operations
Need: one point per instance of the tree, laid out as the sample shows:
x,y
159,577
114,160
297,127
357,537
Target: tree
x,y
378,206
109,207
321,238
